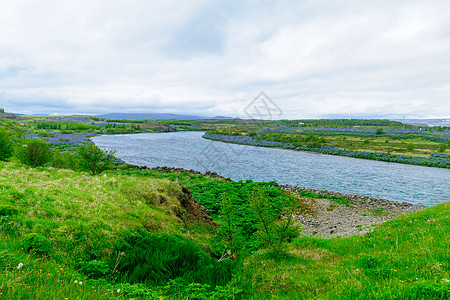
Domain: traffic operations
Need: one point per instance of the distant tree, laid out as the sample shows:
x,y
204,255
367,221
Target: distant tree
x,y
34,152
6,147
94,159
2,110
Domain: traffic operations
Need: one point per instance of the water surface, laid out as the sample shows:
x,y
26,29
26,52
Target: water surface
x,y
408,183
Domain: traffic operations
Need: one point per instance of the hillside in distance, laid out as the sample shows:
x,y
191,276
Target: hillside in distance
x,y
159,116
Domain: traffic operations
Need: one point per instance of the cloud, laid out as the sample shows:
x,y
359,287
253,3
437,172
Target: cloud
x,y
313,58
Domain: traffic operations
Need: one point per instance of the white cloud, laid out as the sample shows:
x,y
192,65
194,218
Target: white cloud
x,y
314,58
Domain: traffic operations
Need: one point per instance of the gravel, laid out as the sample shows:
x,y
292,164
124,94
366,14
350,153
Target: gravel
x,y
326,218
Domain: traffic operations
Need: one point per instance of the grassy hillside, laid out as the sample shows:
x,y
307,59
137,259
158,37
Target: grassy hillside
x,y
70,218
59,228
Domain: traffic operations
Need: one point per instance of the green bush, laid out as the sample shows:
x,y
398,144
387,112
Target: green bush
x,y
273,231
6,147
196,291
36,243
95,268
156,258
34,152
64,160
94,159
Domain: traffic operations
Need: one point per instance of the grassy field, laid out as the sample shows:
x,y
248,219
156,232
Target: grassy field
x,y
83,218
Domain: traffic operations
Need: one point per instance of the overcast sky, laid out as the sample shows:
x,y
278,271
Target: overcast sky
x,y
314,59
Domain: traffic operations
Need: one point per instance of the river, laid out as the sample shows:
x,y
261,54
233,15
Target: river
x,y
393,181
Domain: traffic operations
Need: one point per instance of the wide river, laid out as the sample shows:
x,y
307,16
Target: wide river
x,y
407,183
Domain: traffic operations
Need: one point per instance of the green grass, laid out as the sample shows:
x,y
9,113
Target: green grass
x,y
406,258
84,218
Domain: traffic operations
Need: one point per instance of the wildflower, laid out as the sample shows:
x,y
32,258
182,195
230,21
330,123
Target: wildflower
x,y
446,280
118,290
19,266
357,270
76,281
80,283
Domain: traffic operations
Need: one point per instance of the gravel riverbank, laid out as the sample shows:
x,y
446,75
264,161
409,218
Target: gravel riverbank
x,y
326,218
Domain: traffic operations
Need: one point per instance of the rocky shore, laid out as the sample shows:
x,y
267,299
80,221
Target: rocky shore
x,y
181,170
326,218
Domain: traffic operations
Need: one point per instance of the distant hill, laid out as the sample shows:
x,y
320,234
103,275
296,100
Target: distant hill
x,y
133,116
429,122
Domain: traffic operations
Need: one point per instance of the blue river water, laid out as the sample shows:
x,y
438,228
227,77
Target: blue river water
x,y
406,183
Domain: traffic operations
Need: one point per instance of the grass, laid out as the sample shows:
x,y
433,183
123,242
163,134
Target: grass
x,y
406,258
413,147
83,217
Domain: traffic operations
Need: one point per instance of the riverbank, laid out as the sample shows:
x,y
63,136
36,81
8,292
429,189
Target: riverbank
x,y
325,217
437,160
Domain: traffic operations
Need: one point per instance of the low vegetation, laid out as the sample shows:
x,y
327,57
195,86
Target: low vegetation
x,y
120,232
419,146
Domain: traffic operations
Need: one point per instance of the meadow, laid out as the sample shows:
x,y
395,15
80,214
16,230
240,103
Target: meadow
x,y
124,232
62,227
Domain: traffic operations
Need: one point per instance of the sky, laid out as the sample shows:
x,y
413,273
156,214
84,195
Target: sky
x,y
311,59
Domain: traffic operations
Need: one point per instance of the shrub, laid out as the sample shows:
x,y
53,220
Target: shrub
x,y
156,258
184,290
273,232
95,268
34,152
229,231
36,243
64,160
6,148
94,159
